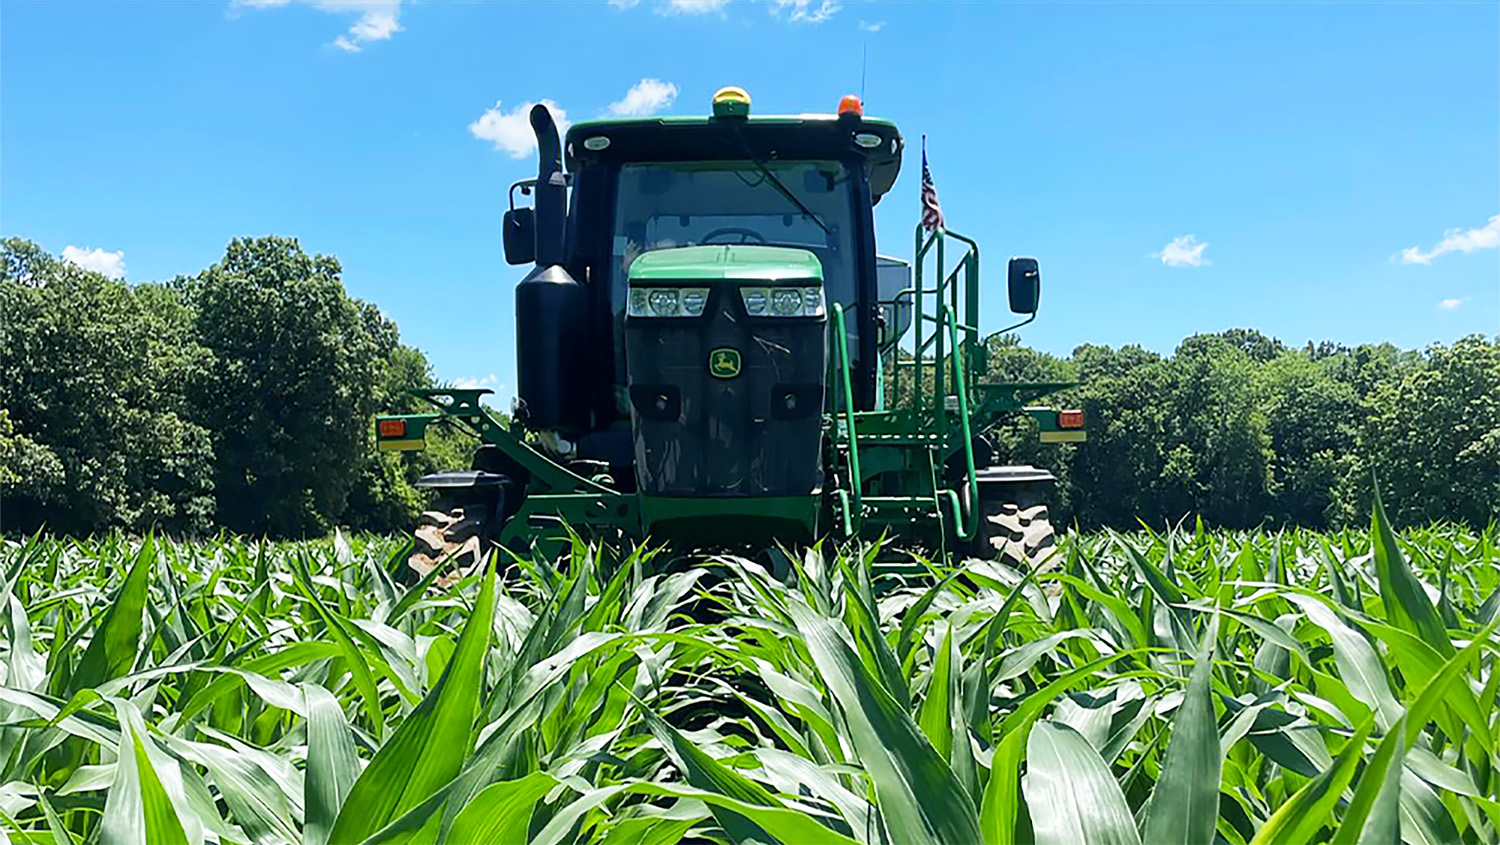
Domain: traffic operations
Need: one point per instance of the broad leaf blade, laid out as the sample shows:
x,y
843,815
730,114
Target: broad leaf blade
x,y
1184,805
1071,794
428,749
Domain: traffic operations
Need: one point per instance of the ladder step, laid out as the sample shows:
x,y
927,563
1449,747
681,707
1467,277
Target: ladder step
x,y
897,439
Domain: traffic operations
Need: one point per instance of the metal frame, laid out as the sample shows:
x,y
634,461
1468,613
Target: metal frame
x,y
934,410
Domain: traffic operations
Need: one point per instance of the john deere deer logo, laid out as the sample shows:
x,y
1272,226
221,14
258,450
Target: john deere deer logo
x,y
724,363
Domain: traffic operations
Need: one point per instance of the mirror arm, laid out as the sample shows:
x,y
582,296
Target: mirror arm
x,y
526,186
992,335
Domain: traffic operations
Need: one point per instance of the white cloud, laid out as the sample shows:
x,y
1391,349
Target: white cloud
x,y
1183,252
675,7
111,264
1457,240
1450,304
804,10
872,27
378,19
511,131
691,7
810,11
646,97
491,381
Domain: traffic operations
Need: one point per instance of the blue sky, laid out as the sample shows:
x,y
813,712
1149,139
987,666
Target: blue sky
x,y
1313,171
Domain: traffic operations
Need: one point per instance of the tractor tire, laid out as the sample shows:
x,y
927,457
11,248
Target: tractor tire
x,y
452,536
1020,536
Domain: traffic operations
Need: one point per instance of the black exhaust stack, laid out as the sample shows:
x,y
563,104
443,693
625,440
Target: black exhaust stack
x,y
551,189
551,306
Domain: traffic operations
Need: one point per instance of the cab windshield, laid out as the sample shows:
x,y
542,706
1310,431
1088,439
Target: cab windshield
x,y
666,205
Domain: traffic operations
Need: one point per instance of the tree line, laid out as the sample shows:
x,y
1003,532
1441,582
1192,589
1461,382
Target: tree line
x,y
242,398
1244,431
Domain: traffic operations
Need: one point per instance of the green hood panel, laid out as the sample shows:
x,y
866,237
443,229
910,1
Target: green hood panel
x,y
726,263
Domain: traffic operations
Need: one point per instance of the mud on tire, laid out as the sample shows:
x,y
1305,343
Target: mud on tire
x,y
1020,536
452,536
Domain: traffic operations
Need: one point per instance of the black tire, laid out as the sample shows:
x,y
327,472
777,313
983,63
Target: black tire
x,y
1020,536
454,536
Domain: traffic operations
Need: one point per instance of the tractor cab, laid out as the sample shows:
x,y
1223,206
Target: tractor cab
x,y
707,338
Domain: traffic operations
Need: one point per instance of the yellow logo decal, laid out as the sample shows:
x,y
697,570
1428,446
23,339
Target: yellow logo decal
x,y
724,363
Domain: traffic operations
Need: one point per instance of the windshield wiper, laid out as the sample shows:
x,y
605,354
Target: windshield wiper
x,y
784,191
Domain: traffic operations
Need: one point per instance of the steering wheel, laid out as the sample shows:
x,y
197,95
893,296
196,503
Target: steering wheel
x,y
745,234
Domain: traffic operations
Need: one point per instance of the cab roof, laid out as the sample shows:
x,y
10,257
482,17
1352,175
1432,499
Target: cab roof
x,y
770,137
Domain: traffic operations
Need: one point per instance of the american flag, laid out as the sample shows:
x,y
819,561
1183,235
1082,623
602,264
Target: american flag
x,y
932,213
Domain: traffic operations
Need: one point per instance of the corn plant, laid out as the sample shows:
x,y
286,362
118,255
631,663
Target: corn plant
x,y
1178,687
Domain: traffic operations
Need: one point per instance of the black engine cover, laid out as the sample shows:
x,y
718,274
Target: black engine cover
x,y
727,404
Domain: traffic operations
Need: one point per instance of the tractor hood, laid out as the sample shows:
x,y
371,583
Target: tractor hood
x,y
750,262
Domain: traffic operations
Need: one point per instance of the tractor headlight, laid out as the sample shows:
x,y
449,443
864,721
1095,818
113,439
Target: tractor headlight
x,y
786,302
667,302
755,301
693,301
783,302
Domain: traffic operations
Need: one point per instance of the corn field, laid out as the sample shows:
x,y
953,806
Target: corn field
x,y
1184,687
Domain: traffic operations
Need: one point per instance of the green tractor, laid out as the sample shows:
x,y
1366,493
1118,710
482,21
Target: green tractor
x,y
710,351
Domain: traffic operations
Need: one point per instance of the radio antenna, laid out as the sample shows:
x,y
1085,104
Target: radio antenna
x,y
864,54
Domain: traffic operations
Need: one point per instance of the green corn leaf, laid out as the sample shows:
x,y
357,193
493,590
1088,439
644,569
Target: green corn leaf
x,y
977,682
1424,817
428,749
1373,816
138,811
60,833
332,766
1437,688
708,774
999,810
1300,818
872,647
1405,600
115,644
354,658
920,797
1071,794
935,715
1360,667
253,798
785,825
1032,706
501,812
1184,806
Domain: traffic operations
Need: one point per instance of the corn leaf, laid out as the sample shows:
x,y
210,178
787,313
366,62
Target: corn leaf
x,y
428,749
1184,806
1070,792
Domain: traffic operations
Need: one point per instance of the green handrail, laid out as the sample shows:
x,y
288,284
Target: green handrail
x,y
841,338
970,521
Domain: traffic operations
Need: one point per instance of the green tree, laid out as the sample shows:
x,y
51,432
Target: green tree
x,y
290,387
94,374
1313,420
1433,436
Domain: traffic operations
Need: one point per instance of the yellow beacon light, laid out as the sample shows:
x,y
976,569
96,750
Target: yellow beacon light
x,y
732,101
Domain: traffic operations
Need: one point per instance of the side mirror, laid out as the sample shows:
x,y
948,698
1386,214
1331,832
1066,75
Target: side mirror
x,y
1025,277
519,228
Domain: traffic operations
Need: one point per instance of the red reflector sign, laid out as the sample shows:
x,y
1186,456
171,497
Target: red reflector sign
x,y
1070,419
393,428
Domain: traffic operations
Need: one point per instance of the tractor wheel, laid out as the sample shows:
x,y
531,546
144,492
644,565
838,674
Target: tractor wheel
x,y
452,535
1020,536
